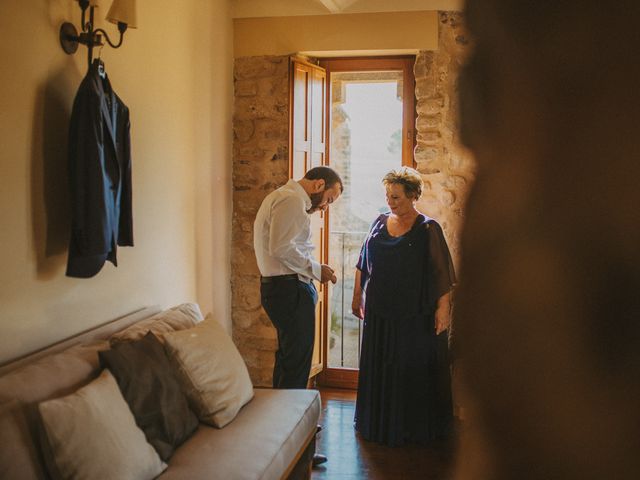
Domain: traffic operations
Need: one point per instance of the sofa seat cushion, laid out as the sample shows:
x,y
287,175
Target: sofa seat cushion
x,y
260,443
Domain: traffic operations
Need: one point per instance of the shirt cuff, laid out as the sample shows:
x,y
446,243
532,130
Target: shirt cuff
x,y
316,270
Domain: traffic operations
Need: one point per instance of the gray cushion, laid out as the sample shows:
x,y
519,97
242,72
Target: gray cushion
x,y
147,382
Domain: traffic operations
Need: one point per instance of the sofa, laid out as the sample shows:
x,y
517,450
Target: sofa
x,y
53,425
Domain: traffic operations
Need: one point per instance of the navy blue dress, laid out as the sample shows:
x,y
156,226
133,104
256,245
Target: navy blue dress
x,y
404,385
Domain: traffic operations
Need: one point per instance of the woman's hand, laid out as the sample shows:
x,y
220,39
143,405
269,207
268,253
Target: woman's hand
x,y
443,313
443,320
356,306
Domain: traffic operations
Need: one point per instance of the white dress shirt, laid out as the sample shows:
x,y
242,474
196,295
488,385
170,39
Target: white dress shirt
x,y
282,234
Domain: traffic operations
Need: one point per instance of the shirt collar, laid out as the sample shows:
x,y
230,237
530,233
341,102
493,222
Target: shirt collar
x,y
297,188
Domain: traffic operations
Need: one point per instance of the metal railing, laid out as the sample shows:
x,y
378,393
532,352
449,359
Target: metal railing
x,y
344,250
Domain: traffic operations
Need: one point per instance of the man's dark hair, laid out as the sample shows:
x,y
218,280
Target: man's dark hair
x,y
329,175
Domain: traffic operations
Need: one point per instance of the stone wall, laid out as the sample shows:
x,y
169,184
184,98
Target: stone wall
x,y
260,164
447,168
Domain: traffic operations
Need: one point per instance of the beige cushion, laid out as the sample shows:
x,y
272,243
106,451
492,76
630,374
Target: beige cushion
x,y
211,370
92,434
180,317
52,376
263,440
49,377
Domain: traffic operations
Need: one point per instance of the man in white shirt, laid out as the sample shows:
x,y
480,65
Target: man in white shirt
x,y
283,245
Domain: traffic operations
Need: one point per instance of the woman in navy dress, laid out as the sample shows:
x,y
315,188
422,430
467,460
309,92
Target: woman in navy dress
x,y
404,279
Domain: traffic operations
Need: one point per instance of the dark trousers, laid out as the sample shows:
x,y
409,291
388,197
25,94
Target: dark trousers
x,y
291,306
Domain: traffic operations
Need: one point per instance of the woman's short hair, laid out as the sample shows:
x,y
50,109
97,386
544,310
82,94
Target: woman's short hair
x,y
409,178
329,175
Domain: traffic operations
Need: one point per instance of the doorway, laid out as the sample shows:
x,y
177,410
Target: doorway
x,y
370,109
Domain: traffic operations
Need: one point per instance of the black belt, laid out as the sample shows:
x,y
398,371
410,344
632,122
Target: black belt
x,y
277,278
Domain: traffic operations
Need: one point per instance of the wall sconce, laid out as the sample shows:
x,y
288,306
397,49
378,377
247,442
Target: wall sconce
x,y
122,13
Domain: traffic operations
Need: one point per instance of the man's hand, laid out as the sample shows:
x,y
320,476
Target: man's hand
x,y
327,274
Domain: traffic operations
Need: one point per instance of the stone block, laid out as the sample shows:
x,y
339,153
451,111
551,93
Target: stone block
x,y
429,137
428,122
461,162
273,87
257,67
252,108
247,202
426,153
245,88
447,198
455,182
428,168
271,129
256,342
261,360
245,176
243,130
430,106
423,65
249,152
425,88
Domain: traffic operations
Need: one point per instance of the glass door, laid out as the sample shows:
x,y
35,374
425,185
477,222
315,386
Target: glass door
x,y
370,124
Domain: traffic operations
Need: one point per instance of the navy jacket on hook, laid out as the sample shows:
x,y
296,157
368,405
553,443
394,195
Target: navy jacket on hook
x,y
99,176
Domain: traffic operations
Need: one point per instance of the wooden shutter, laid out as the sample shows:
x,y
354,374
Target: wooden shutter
x,y
307,135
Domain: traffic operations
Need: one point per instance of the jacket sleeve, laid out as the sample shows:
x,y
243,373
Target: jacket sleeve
x,y
125,227
85,138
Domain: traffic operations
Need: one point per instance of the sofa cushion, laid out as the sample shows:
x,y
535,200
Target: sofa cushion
x,y
18,455
92,434
148,384
179,317
52,376
262,441
211,370
48,377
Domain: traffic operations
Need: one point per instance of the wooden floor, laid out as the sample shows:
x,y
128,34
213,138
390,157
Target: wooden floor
x,y
351,457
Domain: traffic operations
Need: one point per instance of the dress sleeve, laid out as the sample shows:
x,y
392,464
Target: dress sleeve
x,y
363,259
442,274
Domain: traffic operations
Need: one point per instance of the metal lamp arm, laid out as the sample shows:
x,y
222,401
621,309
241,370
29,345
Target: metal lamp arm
x,y
101,31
